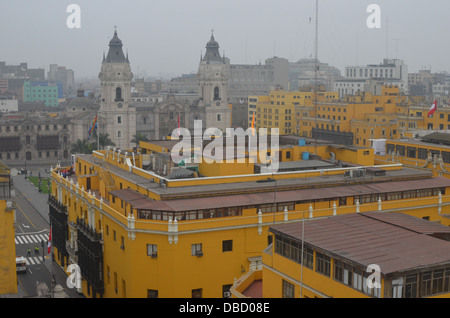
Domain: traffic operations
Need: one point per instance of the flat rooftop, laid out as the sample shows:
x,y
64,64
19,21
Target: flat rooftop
x,y
141,202
266,185
419,142
302,165
394,241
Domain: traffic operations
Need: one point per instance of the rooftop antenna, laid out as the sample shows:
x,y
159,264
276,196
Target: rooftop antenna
x,y
245,50
387,38
396,47
316,53
316,69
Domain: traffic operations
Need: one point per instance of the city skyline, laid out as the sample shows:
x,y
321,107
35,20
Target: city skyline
x,y
166,38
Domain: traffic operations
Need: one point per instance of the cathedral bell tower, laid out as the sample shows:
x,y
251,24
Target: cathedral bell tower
x,y
118,116
213,87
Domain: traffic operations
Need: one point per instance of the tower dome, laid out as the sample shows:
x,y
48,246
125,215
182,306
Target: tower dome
x,y
115,53
212,51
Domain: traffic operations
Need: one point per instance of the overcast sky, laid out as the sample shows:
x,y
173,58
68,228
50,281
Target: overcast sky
x,y
166,37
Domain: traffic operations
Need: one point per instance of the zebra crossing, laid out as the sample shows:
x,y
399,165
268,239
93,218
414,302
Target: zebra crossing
x,y
31,239
33,260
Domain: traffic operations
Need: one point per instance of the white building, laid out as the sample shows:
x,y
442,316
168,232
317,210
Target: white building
x,y
391,72
8,104
441,89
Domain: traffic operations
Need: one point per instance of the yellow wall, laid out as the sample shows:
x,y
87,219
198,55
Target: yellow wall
x,y
315,285
8,275
225,168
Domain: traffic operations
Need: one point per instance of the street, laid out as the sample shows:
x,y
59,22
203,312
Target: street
x,y
32,230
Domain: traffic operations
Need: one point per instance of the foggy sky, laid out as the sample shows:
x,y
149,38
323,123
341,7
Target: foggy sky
x,y
166,37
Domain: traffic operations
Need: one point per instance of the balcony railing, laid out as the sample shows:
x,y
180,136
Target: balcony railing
x,y
88,231
56,204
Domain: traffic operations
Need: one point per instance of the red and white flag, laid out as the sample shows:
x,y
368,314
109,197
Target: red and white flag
x,y
49,241
432,108
178,129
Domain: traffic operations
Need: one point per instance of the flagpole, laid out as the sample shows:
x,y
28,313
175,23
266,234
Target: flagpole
x,y
50,252
98,133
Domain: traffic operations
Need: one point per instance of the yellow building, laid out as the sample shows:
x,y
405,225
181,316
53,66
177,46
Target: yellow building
x,y
359,255
136,232
355,120
352,120
278,110
430,152
8,275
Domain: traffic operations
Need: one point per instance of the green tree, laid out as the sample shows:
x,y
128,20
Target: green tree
x,y
137,138
82,146
105,141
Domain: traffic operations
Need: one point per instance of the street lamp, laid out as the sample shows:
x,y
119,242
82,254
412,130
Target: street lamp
x,y
42,243
39,176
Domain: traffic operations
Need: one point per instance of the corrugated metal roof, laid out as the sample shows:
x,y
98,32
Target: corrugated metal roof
x,y
294,195
414,224
135,199
369,238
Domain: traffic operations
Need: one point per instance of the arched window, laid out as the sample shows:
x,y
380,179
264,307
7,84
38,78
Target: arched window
x,y
118,94
216,93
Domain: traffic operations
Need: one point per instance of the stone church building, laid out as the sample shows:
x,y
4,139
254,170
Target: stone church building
x,y
47,137
121,118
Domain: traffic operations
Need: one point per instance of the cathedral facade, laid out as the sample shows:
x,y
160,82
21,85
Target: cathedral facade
x,y
47,137
157,120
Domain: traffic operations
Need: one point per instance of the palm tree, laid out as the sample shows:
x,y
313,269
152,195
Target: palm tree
x,y
104,140
137,138
82,146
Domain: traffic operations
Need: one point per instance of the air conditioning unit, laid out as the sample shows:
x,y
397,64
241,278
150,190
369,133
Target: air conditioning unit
x,y
199,253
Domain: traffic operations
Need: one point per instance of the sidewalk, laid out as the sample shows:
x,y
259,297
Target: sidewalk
x,y
60,277
36,198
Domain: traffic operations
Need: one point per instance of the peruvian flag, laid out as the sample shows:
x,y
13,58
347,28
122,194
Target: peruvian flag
x,y
253,124
432,108
178,129
49,244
